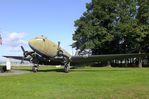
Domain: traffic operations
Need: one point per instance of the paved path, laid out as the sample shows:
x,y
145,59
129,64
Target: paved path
x,y
14,72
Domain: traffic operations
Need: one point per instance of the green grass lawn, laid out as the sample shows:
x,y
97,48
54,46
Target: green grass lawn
x,y
81,83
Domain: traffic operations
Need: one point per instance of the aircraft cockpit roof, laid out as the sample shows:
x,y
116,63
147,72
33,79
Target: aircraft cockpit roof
x,y
41,37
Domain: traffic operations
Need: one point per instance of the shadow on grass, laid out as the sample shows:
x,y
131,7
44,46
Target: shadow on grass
x,y
84,70
52,70
45,70
77,70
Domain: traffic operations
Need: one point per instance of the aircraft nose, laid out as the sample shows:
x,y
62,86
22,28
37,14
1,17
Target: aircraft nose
x,y
31,42
34,44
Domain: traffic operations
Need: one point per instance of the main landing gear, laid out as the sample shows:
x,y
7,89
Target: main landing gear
x,y
65,59
66,64
35,68
66,67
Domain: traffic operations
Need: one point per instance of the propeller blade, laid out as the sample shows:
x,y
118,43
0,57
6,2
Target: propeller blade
x,y
58,45
23,49
22,61
25,53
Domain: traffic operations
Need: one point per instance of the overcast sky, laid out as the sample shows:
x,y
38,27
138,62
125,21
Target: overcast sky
x,y
21,20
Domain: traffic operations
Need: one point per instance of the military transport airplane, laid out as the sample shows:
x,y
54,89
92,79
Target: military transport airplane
x,y
45,52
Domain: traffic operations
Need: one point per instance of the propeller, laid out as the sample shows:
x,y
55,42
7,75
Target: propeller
x,y
22,48
28,54
25,53
59,51
22,61
58,46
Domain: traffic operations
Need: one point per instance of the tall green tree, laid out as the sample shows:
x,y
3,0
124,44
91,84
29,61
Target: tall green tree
x,y
133,25
94,28
113,26
143,25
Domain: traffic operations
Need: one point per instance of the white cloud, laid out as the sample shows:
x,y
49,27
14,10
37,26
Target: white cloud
x,y
15,36
14,40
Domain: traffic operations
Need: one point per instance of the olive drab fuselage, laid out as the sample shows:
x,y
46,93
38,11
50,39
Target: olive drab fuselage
x,y
45,47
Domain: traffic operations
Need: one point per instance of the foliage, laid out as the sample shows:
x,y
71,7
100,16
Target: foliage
x,y
113,26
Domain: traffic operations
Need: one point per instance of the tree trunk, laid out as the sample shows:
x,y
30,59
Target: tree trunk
x,y
126,64
140,61
108,64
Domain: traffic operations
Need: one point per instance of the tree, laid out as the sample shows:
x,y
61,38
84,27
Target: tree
x,y
143,24
133,25
113,26
94,28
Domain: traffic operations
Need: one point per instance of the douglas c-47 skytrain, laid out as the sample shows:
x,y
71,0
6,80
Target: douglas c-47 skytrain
x,y
45,52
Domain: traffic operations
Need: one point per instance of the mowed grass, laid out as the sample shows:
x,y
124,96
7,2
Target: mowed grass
x,y
81,83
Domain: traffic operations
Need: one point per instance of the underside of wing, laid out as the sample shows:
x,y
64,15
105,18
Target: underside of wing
x,y
108,57
17,57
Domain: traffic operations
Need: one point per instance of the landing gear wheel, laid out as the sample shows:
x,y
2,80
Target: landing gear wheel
x,y
35,69
66,68
66,64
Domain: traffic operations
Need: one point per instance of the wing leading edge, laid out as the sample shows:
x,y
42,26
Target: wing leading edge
x,y
108,57
18,58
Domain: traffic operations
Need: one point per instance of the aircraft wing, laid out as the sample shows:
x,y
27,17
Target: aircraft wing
x,y
18,58
108,57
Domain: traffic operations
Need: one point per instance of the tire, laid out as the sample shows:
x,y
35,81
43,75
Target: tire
x,y
34,69
66,68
